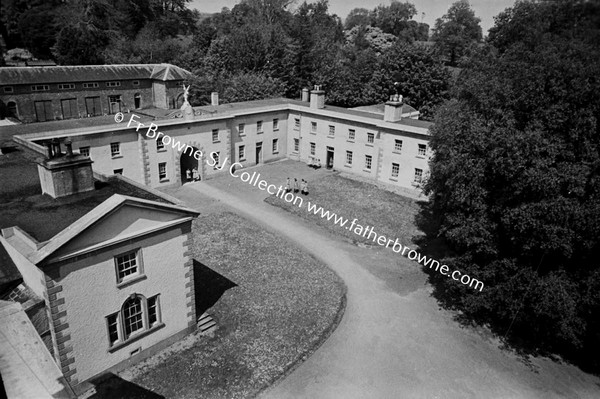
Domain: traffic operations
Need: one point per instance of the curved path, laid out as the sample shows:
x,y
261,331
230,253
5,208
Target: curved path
x,y
393,341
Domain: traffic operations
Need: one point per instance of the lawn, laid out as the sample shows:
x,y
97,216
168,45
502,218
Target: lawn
x,y
278,305
389,214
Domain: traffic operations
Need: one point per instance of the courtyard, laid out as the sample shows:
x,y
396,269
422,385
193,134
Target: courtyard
x,y
393,339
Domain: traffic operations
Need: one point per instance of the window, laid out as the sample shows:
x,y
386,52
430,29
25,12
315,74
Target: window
x,y
241,128
370,137
84,151
136,317
118,171
259,128
348,157
312,148
297,123
215,135
133,315
40,88
115,149
43,110
351,134
313,127
153,308
422,150
275,124
398,145
160,145
418,175
112,322
93,106
296,145
8,89
127,265
69,108
275,146
242,153
395,169
162,171
137,100
368,161
90,85
114,104
136,82
113,84
331,130
66,86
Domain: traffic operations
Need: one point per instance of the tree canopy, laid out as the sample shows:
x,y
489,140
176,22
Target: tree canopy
x,y
515,179
456,31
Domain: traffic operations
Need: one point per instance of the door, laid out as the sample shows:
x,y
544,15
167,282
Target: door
x,y
92,106
329,157
43,110
258,152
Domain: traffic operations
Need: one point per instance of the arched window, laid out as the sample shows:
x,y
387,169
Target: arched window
x,y
133,315
137,317
137,101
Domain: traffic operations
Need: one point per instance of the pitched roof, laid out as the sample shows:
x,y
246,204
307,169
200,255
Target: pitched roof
x,y
90,73
96,214
42,216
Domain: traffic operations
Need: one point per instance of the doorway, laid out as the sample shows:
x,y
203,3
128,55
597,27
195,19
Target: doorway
x,y
329,159
258,152
188,162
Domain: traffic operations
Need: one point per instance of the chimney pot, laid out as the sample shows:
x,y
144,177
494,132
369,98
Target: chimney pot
x,y
214,98
56,148
393,109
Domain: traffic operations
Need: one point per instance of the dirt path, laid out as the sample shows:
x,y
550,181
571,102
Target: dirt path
x,y
394,341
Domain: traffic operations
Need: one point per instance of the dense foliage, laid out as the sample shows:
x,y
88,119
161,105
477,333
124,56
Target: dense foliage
x,y
515,179
257,49
456,32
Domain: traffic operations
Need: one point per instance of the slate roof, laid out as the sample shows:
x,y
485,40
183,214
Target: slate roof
x,y
90,73
41,216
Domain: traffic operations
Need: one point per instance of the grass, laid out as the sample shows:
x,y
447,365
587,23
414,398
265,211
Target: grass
x,y
281,305
389,214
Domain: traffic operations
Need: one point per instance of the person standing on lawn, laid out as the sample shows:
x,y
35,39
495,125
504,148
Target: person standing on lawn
x,y
296,188
288,186
304,187
195,174
188,175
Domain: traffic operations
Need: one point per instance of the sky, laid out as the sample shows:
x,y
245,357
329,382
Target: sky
x,y
433,9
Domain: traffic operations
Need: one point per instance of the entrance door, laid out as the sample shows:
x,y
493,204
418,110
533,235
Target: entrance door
x,y
188,163
329,157
258,152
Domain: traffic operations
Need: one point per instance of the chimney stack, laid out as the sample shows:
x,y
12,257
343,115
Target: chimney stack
x,y
393,109
317,98
214,98
64,175
305,95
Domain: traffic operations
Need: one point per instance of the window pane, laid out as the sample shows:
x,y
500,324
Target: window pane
x,y
113,328
132,314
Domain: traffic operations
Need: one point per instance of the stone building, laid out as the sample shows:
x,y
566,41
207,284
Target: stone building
x,y
111,261
385,143
38,94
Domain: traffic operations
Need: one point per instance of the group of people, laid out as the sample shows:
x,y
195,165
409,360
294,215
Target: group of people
x,y
298,187
189,174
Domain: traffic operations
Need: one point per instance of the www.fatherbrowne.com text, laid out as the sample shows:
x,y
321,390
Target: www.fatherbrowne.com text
x,y
367,232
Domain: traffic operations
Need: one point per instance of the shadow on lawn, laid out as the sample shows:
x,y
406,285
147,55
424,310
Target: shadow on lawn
x,y
209,286
114,387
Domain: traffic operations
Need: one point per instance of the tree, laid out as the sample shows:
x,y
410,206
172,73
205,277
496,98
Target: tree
x,y
515,182
357,17
457,30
